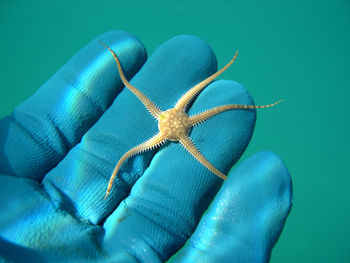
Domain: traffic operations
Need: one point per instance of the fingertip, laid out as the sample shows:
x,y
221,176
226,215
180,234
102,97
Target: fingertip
x,y
230,131
263,186
176,66
268,167
92,64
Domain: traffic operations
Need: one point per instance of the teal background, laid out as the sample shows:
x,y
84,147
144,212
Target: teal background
x,y
294,50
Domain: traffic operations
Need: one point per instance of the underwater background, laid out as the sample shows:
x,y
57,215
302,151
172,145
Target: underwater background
x,y
294,50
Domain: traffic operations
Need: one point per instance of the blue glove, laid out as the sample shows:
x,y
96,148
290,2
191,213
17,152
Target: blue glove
x,y
58,149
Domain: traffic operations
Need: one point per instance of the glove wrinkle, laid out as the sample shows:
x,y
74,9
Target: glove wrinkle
x,y
59,200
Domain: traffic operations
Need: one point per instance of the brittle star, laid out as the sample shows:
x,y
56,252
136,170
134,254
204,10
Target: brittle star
x,y
174,124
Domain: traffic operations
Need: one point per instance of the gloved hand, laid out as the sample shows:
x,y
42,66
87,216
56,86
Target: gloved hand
x,y
58,149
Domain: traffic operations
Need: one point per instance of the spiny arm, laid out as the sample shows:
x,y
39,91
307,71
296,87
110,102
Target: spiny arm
x,y
142,97
153,142
198,118
188,96
192,149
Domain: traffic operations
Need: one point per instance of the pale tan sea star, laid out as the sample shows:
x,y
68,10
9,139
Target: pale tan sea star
x,y
174,124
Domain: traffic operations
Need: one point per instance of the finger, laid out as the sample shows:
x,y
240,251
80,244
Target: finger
x,y
40,131
167,202
84,174
246,217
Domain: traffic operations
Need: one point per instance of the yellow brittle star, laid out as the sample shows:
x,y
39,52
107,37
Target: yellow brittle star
x,y
174,124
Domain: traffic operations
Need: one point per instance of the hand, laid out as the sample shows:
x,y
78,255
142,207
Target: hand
x,y
59,147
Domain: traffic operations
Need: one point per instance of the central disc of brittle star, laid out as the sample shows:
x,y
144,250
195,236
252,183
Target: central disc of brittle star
x,y
174,124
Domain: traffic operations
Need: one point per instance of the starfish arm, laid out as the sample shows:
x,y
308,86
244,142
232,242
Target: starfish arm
x,y
151,143
192,149
151,107
189,95
198,118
